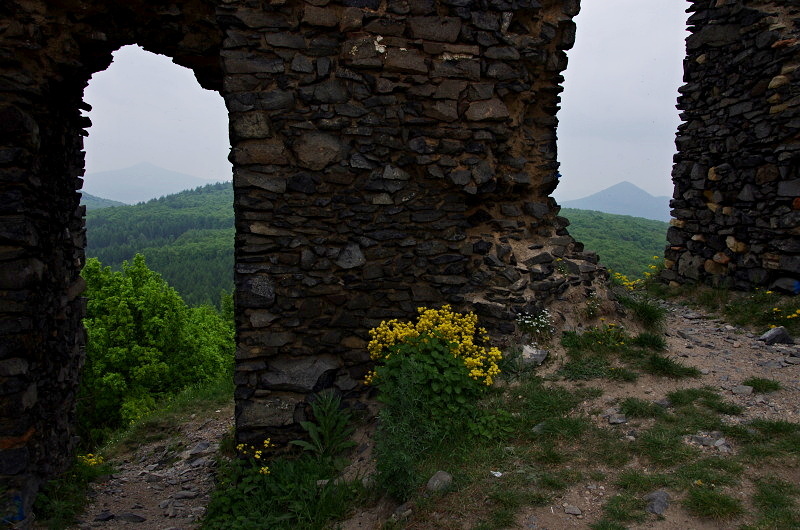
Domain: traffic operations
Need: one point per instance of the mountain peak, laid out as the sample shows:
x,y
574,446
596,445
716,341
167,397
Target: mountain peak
x,y
139,183
624,198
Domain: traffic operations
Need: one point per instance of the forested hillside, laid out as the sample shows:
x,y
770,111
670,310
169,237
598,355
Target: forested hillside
x,y
626,244
95,203
187,237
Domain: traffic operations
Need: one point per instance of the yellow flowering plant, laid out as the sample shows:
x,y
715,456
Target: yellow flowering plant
x,y
459,329
444,355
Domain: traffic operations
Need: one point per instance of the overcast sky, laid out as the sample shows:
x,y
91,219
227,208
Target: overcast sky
x,y
617,122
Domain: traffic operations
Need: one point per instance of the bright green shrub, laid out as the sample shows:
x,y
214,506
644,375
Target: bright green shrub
x,y
143,343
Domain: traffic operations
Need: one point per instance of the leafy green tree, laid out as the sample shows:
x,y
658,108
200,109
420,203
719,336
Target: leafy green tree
x,y
144,343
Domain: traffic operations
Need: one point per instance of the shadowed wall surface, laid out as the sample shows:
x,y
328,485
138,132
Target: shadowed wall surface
x,y
737,188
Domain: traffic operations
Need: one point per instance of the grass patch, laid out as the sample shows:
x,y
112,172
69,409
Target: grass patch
x,y
584,368
639,408
64,498
564,428
711,504
651,341
637,482
625,507
776,501
762,385
605,524
664,446
665,367
713,471
288,497
645,311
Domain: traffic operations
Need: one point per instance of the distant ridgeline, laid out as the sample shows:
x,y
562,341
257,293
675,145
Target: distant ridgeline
x,y
186,237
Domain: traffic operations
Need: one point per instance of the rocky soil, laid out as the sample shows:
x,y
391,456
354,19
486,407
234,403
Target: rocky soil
x,y
166,484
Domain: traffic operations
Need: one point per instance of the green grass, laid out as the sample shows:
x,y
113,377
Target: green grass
x,y
637,482
664,447
625,507
646,311
64,498
650,341
286,498
711,504
776,502
663,366
639,408
762,385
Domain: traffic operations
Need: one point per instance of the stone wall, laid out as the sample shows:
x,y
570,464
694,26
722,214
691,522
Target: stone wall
x,y
387,155
48,51
737,187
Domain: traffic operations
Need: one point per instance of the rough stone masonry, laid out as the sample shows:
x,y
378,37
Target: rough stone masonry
x,y
387,154
737,187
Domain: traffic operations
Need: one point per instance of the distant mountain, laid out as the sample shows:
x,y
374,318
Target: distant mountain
x,y
624,199
95,203
139,183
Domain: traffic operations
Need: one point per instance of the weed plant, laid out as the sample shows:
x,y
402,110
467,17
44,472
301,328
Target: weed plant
x,y
762,385
63,499
644,310
289,492
330,434
707,502
539,326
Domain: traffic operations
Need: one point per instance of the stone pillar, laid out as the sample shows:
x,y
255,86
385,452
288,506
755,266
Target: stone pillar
x,y
737,188
386,159
41,254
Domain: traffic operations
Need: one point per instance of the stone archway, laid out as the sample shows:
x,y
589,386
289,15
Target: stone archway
x,y
386,156
51,49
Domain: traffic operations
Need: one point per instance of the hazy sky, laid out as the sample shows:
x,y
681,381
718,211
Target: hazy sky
x,y
617,122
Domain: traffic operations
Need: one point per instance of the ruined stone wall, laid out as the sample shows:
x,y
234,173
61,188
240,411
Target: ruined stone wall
x,y
48,51
737,187
387,155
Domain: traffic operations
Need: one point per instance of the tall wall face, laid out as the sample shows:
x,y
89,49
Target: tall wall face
x,y
737,187
387,155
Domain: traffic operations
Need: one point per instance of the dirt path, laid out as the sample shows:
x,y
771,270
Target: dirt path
x,y
164,484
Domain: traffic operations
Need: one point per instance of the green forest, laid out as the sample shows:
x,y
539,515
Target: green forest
x,y
188,238
625,244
